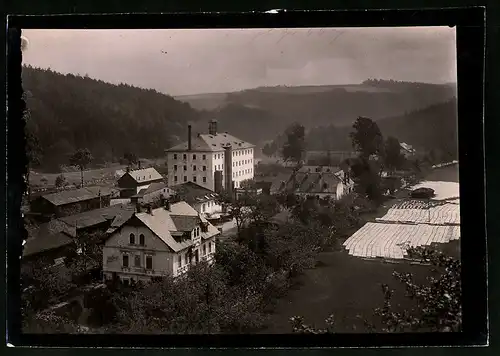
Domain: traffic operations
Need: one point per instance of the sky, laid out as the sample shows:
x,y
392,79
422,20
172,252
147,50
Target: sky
x,y
189,61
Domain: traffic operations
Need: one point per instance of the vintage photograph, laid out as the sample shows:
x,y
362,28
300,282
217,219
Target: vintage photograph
x,y
241,181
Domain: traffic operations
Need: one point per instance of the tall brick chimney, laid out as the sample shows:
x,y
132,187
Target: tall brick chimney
x,y
189,137
212,127
228,168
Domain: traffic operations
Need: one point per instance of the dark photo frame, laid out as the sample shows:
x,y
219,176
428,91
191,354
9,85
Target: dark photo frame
x,y
470,32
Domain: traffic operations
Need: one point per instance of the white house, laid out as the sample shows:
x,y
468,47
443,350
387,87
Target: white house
x,y
203,200
159,242
216,160
318,181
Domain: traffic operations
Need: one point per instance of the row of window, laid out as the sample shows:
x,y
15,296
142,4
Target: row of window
x,y
138,261
207,205
240,163
185,178
186,256
244,152
243,172
143,177
184,156
204,168
141,239
217,155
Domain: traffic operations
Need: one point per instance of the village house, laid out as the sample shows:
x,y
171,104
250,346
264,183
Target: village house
x,y
69,202
154,192
158,242
52,241
317,181
216,160
133,181
203,200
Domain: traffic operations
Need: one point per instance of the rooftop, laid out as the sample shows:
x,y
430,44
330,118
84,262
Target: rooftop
x,y
77,195
144,175
165,223
48,236
98,216
153,187
212,143
193,193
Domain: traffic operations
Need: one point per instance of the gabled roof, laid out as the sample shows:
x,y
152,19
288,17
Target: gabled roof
x,y
193,193
212,143
153,187
76,195
143,175
165,223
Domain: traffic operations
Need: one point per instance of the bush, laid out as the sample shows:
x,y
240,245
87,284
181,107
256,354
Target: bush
x,y
422,193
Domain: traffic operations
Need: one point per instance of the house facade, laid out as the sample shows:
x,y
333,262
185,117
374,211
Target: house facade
x,y
215,161
159,242
133,181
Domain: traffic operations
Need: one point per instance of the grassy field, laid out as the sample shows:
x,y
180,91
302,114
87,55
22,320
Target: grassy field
x,y
345,286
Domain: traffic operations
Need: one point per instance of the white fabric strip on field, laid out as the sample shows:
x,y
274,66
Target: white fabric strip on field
x,y
391,240
442,190
443,214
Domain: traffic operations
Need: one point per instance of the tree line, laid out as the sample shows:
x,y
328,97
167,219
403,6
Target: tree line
x,y
69,112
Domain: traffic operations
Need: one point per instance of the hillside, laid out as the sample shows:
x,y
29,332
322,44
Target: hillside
x,y
333,104
70,112
431,128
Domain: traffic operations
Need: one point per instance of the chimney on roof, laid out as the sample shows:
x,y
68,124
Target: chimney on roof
x,y
128,169
212,127
189,137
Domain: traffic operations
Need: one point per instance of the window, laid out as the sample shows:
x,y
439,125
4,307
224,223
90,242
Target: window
x,y
185,179
149,262
186,258
203,208
175,155
204,179
141,239
222,166
180,261
233,174
175,179
209,247
184,156
194,156
204,249
194,179
185,168
204,168
137,261
126,281
198,231
204,157
194,168
132,239
175,168
125,261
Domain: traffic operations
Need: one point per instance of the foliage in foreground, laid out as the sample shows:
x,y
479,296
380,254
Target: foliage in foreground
x,y
437,303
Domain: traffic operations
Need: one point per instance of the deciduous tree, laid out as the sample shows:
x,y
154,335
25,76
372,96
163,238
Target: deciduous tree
x,y
81,159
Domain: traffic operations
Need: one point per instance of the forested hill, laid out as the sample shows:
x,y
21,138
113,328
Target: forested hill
x,y
70,112
432,128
